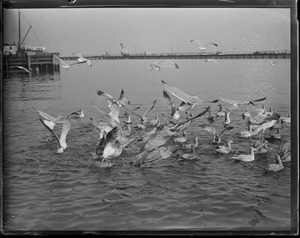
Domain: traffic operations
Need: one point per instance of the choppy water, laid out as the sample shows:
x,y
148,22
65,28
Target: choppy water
x,y
48,191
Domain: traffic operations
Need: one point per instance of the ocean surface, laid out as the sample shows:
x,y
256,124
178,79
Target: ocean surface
x,y
46,191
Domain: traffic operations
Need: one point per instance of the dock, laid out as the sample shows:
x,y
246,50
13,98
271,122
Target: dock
x,y
38,64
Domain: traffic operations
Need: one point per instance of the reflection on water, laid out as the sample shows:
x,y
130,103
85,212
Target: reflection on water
x,y
48,191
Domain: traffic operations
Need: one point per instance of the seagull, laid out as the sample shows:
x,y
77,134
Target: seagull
x,y
213,132
125,52
49,120
275,166
184,124
200,45
82,60
236,104
77,114
20,67
227,118
114,143
225,149
143,118
101,127
65,65
191,146
286,119
62,139
187,156
246,157
163,63
174,111
211,60
210,118
273,62
261,146
153,149
181,139
121,101
193,100
155,122
221,112
285,151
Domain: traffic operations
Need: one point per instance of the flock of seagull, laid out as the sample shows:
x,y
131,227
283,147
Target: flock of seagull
x,y
166,135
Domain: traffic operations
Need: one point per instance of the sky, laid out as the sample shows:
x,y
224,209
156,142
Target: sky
x,y
96,31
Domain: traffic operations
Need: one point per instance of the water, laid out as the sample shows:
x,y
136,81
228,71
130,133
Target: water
x,y
45,191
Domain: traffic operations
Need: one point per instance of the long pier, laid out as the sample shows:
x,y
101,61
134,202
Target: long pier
x,y
193,55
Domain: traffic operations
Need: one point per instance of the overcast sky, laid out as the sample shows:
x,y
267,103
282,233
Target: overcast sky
x,y
97,30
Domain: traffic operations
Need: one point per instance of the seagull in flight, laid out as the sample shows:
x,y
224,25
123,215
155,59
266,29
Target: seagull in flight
x,y
20,67
65,65
162,64
188,99
273,62
200,45
82,60
211,60
235,104
63,136
124,51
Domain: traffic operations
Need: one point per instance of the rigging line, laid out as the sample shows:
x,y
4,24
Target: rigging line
x,y
32,29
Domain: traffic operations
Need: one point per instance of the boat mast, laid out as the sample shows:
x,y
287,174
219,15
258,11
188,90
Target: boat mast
x,y
19,41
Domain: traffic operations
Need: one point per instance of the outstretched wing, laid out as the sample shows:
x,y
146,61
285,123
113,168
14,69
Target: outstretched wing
x,y
149,108
105,95
170,101
168,63
122,101
79,55
52,132
180,94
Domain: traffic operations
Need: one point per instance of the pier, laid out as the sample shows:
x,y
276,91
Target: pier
x,y
191,55
38,64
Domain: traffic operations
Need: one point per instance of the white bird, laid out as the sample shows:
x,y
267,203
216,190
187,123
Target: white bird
x,y
191,146
221,112
121,101
200,45
261,146
275,166
225,149
246,157
273,62
227,118
20,67
124,51
285,151
181,139
211,60
114,143
77,114
174,111
235,104
65,65
156,121
143,118
212,130
193,100
163,64
187,156
49,120
62,139
286,119
82,60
